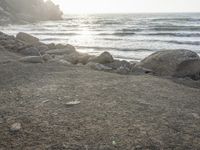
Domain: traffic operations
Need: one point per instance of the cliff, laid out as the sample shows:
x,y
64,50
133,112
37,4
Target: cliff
x,y
23,11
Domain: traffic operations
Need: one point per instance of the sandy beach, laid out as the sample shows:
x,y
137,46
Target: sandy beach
x,y
57,105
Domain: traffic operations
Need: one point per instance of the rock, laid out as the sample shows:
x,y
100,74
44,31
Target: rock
x,y
32,59
15,127
76,58
123,70
64,62
76,102
46,57
30,51
97,66
42,48
189,68
104,58
68,46
51,46
117,64
27,38
170,62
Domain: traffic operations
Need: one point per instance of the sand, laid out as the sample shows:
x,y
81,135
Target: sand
x,y
107,111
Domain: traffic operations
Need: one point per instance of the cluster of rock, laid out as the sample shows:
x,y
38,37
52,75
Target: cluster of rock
x,y
176,63
23,11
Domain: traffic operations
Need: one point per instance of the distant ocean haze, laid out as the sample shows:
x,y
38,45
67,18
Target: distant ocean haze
x,y
126,36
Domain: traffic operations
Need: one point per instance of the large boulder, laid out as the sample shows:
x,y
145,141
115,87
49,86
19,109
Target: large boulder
x,y
103,58
27,38
171,63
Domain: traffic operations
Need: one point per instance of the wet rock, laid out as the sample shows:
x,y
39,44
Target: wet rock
x,y
171,62
30,51
27,38
104,58
32,59
15,127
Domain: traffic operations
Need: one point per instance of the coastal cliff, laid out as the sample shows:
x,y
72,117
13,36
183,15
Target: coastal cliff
x,y
23,11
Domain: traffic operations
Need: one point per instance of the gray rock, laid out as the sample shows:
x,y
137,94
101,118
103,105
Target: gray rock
x,y
15,127
32,59
171,62
51,46
76,58
46,57
30,51
27,38
189,68
42,48
117,64
104,58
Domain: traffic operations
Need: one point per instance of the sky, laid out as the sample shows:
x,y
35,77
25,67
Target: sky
x,y
128,6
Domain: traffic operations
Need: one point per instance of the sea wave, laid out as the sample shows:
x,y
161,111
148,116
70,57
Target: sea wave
x,y
177,19
100,48
172,34
175,28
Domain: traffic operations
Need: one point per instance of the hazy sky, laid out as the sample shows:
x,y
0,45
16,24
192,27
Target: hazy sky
x,y
127,6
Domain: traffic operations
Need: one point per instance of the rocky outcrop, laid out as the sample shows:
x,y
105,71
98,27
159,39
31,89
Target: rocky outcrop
x,y
24,11
179,63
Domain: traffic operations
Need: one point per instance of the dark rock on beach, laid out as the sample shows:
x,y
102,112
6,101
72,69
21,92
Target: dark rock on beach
x,y
172,63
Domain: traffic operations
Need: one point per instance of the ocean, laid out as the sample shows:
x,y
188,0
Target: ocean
x,y
125,36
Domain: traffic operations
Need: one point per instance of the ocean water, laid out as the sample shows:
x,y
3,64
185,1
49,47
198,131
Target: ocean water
x,y
125,36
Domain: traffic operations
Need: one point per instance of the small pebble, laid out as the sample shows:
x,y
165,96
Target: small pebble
x,y
15,127
114,143
73,103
